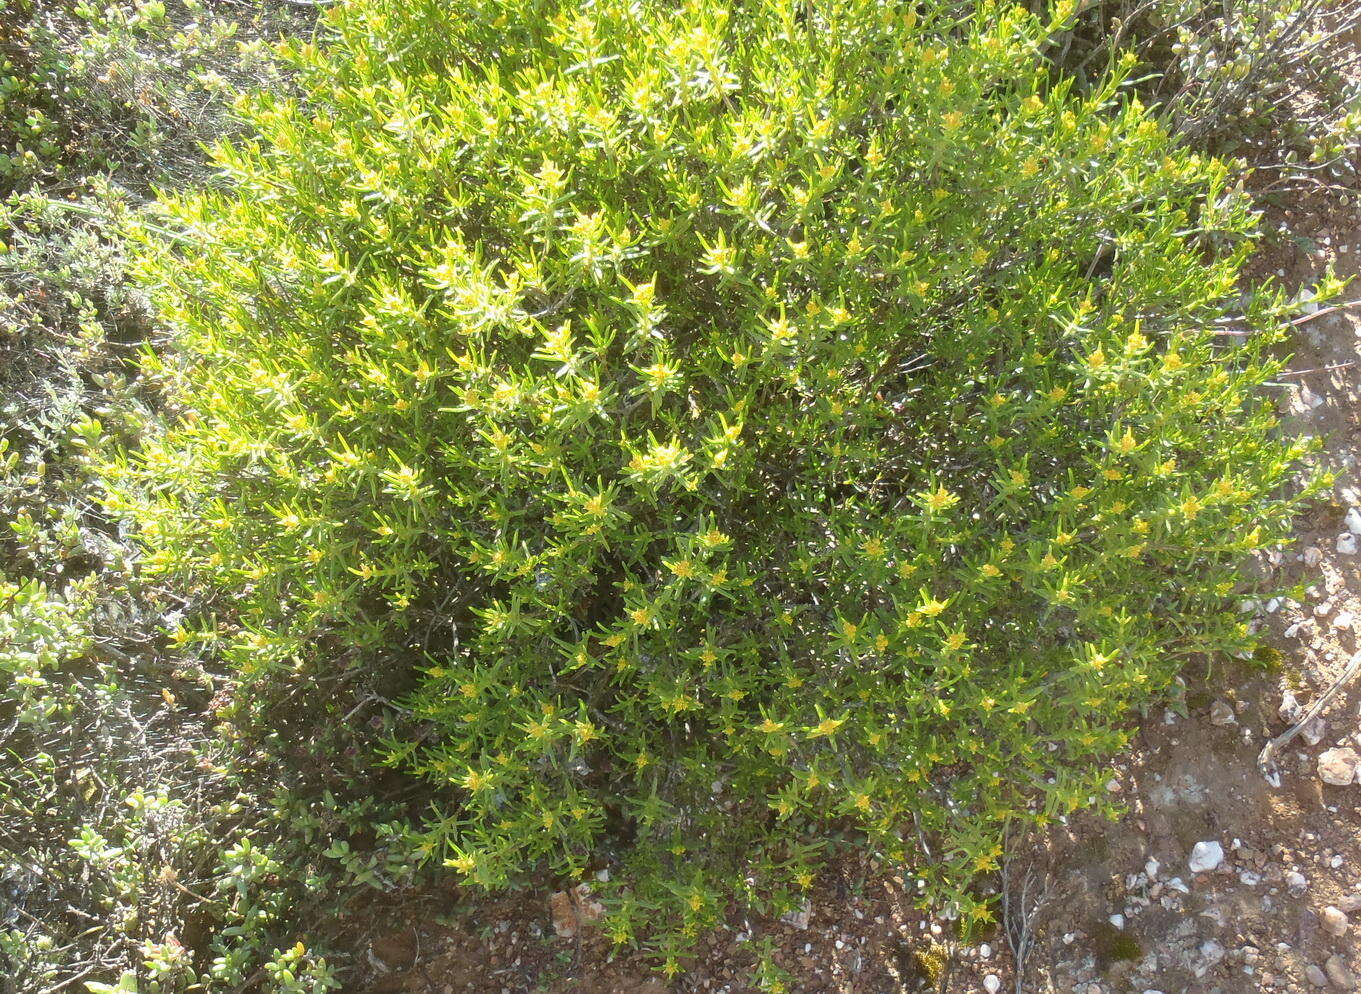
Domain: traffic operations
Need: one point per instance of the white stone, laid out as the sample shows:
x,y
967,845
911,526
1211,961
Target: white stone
x,y
1313,556
1339,973
1338,766
1343,619
1346,544
1117,920
1205,856
1211,955
1334,921
1353,520
1151,868
800,917
992,983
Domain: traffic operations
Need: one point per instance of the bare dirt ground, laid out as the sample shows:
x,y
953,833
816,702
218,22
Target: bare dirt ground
x,y
1214,882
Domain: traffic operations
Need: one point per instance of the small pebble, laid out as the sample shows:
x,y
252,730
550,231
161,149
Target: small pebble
x,y
992,983
1346,544
1315,976
1353,520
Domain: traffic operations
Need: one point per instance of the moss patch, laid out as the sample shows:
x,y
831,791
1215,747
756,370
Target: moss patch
x,y
1112,945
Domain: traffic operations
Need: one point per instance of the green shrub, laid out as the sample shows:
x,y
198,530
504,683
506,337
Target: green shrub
x,y
137,851
758,425
126,86
1262,75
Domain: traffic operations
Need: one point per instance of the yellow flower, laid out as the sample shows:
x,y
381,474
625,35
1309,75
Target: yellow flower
x,y
1191,507
932,607
770,727
1097,360
874,548
713,538
681,568
989,570
826,727
940,499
